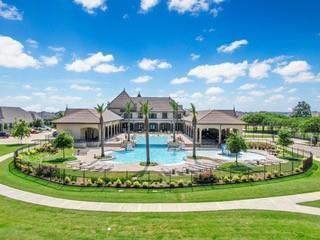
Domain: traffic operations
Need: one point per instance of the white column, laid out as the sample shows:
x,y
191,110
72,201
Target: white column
x,y
220,134
200,136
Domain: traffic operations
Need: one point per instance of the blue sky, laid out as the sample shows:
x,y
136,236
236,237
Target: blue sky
x,y
256,55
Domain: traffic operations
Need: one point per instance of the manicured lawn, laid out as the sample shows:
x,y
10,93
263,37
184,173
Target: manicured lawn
x,y
51,159
8,148
302,183
20,220
312,204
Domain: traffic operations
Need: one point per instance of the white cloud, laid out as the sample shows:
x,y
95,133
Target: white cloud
x,y
49,61
248,86
259,70
84,88
278,89
230,48
57,49
182,80
243,99
96,62
9,12
146,5
274,98
91,5
214,91
64,99
192,6
12,54
32,43
152,64
227,72
194,56
297,71
27,86
141,79
196,95
108,68
39,94
51,89
292,90
215,11
256,93
199,38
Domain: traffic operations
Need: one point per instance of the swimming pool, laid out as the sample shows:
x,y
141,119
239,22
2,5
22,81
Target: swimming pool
x,y
159,153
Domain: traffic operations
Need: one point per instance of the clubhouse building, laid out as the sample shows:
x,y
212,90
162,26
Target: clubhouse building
x,y
212,127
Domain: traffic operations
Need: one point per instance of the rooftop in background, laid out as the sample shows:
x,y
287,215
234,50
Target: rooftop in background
x,y
11,114
216,117
157,104
74,115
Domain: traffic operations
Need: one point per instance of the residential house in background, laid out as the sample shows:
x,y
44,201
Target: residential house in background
x,y
161,116
8,115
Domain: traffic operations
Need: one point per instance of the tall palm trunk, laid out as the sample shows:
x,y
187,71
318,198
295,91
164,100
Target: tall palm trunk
x,y
194,142
102,135
174,128
146,127
128,130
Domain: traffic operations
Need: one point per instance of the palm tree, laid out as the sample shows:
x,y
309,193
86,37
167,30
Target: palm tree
x,y
194,128
128,109
175,107
145,110
101,108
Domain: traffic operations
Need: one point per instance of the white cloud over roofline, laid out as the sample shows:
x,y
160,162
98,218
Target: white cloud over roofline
x,y
12,54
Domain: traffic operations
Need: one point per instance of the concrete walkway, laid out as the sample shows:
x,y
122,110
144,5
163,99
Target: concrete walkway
x,y
283,203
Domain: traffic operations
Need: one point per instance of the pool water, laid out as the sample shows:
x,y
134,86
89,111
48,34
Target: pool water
x,y
159,153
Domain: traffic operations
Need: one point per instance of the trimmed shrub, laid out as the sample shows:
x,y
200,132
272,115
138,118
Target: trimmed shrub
x,y
181,183
251,178
206,177
154,185
226,179
236,179
118,183
268,175
109,184
136,184
244,178
128,183
67,180
145,184
276,174
100,182
172,184
189,183
89,182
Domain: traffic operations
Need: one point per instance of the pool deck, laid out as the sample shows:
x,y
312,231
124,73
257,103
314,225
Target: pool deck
x,y
89,159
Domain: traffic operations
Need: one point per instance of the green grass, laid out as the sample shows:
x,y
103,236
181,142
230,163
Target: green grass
x,y
307,182
51,159
8,148
312,204
20,220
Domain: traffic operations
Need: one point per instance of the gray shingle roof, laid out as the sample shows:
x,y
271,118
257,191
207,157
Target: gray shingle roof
x,y
158,104
11,114
216,117
86,116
